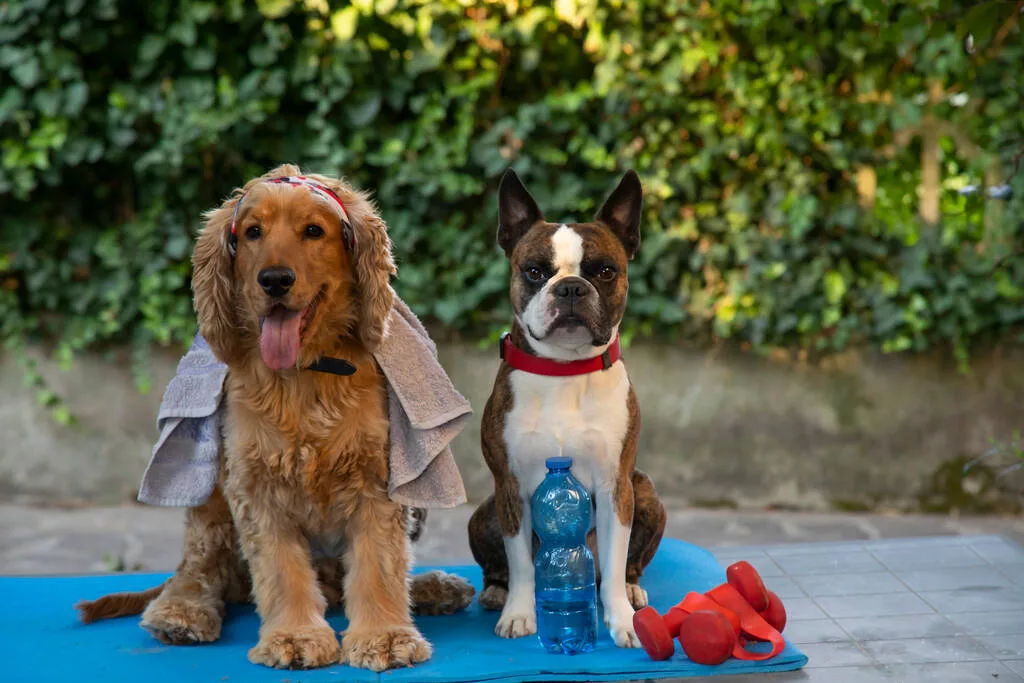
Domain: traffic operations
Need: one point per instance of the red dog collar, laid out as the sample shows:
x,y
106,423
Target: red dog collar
x,y
317,189
527,362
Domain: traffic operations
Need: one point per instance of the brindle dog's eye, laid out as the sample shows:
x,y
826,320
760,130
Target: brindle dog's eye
x,y
314,232
253,232
534,274
607,273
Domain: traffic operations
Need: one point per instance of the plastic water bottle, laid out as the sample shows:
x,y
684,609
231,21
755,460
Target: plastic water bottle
x,y
564,566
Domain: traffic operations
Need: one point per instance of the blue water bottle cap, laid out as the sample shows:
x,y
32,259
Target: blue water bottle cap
x,y
561,462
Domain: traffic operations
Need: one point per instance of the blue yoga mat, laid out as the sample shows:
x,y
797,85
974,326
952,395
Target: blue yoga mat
x,y
44,641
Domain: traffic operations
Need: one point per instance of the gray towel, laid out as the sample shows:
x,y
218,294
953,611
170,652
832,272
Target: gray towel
x,y
425,411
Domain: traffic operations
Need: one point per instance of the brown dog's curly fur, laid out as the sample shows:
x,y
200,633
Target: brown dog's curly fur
x,y
305,466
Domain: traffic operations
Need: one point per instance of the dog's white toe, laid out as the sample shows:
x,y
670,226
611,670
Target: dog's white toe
x,y
619,620
516,625
519,618
625,636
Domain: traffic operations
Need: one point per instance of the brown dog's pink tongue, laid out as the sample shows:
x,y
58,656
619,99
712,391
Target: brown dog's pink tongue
x,y
279,338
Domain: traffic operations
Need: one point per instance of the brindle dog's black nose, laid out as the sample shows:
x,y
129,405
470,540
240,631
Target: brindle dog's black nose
x,y
571,287
276,280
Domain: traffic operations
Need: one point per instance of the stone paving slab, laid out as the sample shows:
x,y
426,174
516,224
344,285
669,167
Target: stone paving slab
x,y
869,598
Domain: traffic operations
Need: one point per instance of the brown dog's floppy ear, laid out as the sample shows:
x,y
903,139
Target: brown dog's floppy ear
x,y
213,282
621,211
374,265
517,211
372,261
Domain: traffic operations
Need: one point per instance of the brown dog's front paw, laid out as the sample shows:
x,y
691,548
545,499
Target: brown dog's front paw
x,y
308,647
181,621
387,649
437,592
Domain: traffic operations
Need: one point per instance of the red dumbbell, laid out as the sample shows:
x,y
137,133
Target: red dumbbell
x,y
711,632
707,637
754,627
707,632
712,626
743,577
656,632
775,613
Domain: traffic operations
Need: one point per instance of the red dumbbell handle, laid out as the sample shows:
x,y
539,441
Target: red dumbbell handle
x,y
695,602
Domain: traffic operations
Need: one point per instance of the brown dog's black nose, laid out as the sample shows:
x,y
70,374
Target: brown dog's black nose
x,y
276,280
571,287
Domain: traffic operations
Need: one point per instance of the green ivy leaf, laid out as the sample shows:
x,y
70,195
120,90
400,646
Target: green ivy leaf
x,y
360,113
274,9
27,72
835,287
151,47
344,23
62,416
983,19
75,98
201,59
46,398
262,55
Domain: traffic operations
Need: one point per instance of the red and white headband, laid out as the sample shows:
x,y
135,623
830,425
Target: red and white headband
x,y
317,189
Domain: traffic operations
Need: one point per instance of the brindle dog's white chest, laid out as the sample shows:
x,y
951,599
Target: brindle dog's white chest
x,y
584,417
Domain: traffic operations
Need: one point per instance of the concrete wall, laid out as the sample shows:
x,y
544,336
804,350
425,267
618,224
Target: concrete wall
x,y
719,428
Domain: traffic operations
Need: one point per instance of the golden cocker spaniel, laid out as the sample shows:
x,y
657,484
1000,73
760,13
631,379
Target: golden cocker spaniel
x,y
301,516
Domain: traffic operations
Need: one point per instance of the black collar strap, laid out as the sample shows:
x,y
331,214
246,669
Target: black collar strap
x,y
333,366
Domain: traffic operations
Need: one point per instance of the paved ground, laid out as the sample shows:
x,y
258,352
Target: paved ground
x,y
943,609
870,598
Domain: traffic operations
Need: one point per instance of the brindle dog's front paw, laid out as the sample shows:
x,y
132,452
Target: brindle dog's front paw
x,y
637,596
518,619
493,598
624,636
619,621
182,621
307,647
385,649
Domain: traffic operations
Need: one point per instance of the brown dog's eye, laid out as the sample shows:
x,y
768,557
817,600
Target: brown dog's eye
x,y
314,232
253,232
607,273
533,274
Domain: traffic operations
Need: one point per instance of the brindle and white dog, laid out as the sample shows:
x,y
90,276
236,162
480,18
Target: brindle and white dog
x,y
561,389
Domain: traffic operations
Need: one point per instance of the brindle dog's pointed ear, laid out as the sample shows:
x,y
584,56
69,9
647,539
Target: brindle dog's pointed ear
x,y
621,212
517,211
